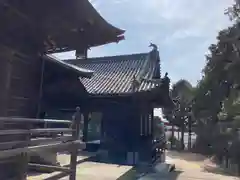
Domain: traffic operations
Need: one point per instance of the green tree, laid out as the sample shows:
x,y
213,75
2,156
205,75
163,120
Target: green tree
x,y
217,95
182,94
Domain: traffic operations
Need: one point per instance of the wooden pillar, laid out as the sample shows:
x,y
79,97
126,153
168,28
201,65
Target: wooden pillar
x,y
141,124
146,123
102,128
85,126
22,166
138,133
5,78
8,86
40,94
74,148
152,123
143,129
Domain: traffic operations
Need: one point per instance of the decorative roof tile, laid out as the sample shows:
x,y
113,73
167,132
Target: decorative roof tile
x,y
116,74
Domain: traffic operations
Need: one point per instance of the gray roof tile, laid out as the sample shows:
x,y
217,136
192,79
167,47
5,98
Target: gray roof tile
x,y
115,74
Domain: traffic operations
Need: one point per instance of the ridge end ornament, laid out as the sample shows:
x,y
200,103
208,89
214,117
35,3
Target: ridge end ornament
x,y
154,46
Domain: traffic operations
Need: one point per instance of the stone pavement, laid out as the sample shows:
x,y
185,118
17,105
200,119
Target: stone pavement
x,y
189,166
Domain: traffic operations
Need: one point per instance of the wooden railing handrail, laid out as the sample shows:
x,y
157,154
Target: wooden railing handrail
x,y
34,131
27,143
34,142
31,120
33,149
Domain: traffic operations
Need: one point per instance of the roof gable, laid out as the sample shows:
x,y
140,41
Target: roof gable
x,y
116,74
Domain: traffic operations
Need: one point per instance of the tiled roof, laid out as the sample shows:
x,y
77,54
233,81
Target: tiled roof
x,y
115,74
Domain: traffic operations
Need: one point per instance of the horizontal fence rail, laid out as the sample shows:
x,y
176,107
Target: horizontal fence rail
x,y
35,131
20,137
30,120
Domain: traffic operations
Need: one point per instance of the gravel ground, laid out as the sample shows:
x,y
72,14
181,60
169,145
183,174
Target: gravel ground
x,y
189,166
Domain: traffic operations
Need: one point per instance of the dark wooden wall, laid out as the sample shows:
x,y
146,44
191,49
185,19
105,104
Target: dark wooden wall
x,y
19,83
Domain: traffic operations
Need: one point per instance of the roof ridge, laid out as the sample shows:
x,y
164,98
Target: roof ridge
x,y
152,57
105,58
122,55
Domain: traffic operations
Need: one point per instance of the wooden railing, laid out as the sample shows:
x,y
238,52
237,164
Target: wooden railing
x,y
19,139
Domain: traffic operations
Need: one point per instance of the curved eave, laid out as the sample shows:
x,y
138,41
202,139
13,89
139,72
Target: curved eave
x,y
81,72
84,15
60,26
93,16
108,41
96,43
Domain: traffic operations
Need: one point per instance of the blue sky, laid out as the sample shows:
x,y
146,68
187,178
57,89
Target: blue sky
x,y
183,30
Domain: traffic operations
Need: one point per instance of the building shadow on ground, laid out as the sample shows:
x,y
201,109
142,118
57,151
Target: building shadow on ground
x,y
174,175
129,175
133,174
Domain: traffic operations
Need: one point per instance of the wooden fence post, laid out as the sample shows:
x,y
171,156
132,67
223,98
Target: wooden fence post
x,y
24,158
74,148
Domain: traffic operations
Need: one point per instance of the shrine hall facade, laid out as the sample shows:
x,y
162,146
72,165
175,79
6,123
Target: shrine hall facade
x,y
123,92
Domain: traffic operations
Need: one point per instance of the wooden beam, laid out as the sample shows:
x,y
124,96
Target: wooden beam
x,y
31,120
50,140
32,149
59,50
10,145
34,142
13,132
48,167
51,130
35,131
16,11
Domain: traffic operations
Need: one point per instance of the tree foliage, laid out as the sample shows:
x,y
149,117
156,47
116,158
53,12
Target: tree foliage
x,y
182,95
218,91
217,97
